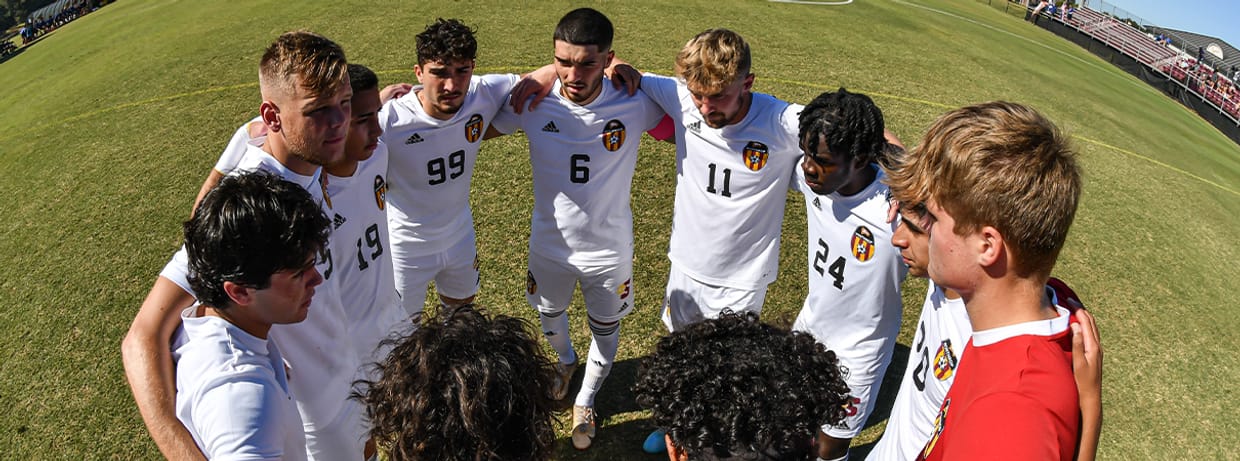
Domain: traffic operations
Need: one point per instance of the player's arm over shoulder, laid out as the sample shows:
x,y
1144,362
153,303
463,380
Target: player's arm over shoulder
x,y
239,416
1011,426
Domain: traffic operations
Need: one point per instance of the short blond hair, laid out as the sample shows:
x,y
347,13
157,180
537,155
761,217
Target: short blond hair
x,y
306,58
997,164
713,60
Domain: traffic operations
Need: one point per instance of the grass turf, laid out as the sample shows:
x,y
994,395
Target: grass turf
x,y
111,122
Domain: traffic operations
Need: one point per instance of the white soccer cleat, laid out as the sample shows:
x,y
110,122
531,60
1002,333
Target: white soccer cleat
x,y
583,427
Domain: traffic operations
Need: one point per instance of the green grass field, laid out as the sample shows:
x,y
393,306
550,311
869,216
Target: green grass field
x,y
109,125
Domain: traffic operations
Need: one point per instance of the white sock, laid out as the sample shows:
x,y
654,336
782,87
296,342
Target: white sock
x,y
842,458
598,363
555,329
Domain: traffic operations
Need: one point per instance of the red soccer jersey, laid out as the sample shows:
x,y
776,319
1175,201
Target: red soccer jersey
x,y
1014,397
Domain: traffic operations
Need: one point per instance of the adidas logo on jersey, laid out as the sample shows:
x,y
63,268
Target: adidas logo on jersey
x,y
338,221
413,139
550,128
696,127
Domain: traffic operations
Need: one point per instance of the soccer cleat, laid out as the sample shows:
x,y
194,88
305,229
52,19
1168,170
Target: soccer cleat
x,y
583,427
563,379
655,442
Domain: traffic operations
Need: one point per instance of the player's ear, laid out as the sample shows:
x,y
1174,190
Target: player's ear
x,y
270,114
748,82
990,247
611,56
239,295
417,72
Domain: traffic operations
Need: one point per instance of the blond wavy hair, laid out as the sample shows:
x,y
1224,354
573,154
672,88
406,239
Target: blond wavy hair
x,y
997,164
712,60
302,58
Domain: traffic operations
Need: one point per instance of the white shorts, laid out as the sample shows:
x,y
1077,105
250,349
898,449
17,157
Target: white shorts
x,y
607,290
455,272
863,391
688,301
342,439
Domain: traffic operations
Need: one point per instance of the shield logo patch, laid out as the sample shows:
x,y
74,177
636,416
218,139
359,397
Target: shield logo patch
x,y
380,191
755,155
473,128
863,244
613,135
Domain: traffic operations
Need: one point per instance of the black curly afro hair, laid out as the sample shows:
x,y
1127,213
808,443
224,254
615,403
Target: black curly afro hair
x,y
735,388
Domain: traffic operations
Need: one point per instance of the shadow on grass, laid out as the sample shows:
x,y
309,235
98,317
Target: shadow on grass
x,y
622,440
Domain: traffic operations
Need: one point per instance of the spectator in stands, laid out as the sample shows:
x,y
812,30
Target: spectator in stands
x,y
1068,11
1042,4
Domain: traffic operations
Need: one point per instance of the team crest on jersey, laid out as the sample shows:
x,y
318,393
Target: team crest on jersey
x,y
939,423
945,361
531,286
625,288
613,135
863,244
327,199
380,192
755,155
473,128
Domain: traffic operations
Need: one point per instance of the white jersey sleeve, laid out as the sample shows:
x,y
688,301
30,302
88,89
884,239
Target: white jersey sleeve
x,y
236,147
233,395
941,334
431,164
853,305
582,159
731,185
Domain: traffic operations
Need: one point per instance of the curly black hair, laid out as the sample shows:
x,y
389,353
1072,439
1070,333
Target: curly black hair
x,y
849,122
446,40
247,228
733,387
463,386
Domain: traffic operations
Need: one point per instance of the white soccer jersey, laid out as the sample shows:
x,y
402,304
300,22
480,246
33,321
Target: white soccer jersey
x,y
941,334
319,352
583,159
731,184
432,164
362,250
233,394
853,306
237,146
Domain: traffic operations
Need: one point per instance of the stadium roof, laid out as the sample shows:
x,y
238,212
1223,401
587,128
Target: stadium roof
x,y
1231,55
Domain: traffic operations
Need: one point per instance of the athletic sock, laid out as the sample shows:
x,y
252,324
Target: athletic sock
x,y
555,329
842,458
598,363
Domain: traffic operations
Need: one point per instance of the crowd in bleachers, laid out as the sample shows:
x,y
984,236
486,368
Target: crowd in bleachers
x,y
1216,85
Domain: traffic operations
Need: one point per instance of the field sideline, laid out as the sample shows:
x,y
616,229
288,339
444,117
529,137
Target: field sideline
x,y
109,125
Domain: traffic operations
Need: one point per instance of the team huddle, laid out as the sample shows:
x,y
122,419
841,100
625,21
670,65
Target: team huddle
x,y
290,324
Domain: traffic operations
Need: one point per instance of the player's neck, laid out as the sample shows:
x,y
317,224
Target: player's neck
x,y
1005,301
343,169
235,316
864,177
746,101
279,150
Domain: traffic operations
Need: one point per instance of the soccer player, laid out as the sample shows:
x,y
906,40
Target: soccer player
x,y
941,333
735,152
583,151
306,107
763,400
1001,187
853,306
464,386
251,248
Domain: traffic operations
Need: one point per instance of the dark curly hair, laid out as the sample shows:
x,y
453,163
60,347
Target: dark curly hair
x,y
247,228
849,122
733,387
463,386
446,40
